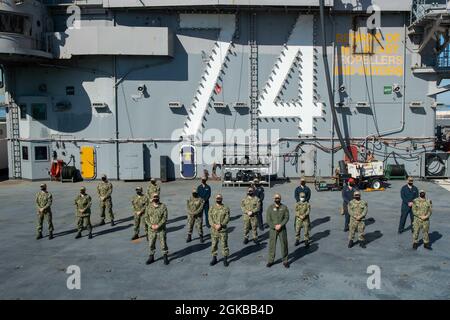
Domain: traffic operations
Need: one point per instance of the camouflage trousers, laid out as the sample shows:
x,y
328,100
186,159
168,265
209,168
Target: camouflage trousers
x,y
418,225
40,221
152,236
273,238
106,205
222,237
355,226
299,225
250,223
84,222
138,220
197,220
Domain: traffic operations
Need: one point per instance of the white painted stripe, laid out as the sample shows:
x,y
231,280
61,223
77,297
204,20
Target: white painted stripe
x,y
444,183
227,25
301,41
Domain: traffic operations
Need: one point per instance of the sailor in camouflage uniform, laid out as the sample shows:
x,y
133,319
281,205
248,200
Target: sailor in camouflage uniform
x,y
139,203
421,209
104,191
153,187
156,219
302,210
277,217
83,204
219,216
250,207
44,201
194,215
357,210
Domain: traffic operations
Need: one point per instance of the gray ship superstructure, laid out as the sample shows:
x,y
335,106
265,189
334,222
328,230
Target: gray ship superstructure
x,y
122,87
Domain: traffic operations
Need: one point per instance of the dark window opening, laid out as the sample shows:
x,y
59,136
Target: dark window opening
x,y
23,111
39,111
40,153
70,91
25,153
14,23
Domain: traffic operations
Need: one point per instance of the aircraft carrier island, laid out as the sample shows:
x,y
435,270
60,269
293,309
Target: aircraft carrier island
x,y
335,92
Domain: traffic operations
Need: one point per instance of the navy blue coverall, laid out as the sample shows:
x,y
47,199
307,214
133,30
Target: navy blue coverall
x,y
259,192
305,189
347,196
204,192
408,195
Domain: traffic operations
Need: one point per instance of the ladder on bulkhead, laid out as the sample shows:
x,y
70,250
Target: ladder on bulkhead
x,y
254,92
15,143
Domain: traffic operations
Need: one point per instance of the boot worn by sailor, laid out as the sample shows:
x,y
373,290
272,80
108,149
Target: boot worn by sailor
x,y
225,261
136,236
189,238
350,243
50,236
166,259
112,223
213,261
78,236
90,235
39,236
150,260
102,222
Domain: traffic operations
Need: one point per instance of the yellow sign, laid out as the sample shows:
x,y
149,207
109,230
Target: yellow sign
x,y
367,54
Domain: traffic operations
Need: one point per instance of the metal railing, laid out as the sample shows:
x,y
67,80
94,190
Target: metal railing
x,y
420,8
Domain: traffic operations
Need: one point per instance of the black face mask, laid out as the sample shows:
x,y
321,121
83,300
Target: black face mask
x,y
250,194
277,201
422,195
139,193
155,200
357,198
219,201
43,189
103,179
195,194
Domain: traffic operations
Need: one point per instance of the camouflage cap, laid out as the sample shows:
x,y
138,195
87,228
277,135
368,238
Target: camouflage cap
x,y
104,176
152,180
422,191
357,193
219,196
138,188
83,189
43,185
